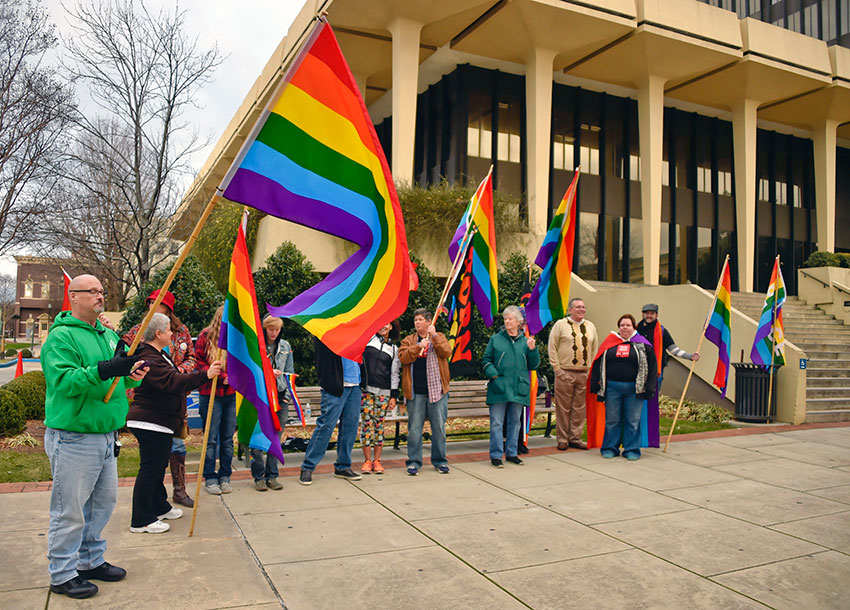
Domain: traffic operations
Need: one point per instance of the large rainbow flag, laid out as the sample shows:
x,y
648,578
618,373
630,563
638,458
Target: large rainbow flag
x,y
485,275
719,328
770,334
249,370
551,293
314,159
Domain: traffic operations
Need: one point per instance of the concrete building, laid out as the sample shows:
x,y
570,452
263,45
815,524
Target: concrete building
x,y
702,127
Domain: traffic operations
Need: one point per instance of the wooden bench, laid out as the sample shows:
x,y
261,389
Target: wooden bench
x,y
467,399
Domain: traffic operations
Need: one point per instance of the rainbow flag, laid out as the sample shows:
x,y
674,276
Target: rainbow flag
x,y
551,293
770,334
290,385
249,371
485,280
719,328
314,159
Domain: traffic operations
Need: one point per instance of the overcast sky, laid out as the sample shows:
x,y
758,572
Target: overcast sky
x,y
247,32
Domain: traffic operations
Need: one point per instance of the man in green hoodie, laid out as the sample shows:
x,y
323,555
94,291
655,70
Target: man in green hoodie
x,y
80,358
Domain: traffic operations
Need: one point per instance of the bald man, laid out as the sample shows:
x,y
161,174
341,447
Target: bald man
x,y
80,358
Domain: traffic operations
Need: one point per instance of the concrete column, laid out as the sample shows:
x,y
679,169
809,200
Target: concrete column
x,y
405,34
824,145
651,128
744,127
538,118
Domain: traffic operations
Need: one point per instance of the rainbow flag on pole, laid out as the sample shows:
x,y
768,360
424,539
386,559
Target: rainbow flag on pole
x,y
249,371
551,293
770,334
719,328
485,277
314,159
290,386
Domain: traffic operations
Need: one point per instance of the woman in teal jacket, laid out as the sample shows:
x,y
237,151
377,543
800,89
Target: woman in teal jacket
x,y
507,361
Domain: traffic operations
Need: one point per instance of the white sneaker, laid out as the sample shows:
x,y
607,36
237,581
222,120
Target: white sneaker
x,y
213,488
225,487
174,513
157,527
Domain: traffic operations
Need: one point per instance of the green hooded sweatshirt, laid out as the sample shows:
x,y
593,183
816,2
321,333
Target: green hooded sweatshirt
x,y
507,362
75,390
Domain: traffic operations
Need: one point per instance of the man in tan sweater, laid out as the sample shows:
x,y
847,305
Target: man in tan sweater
x,y
572,345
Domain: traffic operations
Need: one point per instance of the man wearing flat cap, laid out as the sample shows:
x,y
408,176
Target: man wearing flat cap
x,y
662,341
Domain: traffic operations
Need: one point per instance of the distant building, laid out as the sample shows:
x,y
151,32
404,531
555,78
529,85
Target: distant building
x,y
39,294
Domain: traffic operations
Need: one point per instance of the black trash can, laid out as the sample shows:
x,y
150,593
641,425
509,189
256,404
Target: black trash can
x,y
751,391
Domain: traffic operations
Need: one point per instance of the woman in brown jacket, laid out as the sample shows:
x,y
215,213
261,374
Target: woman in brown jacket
x,y
156,415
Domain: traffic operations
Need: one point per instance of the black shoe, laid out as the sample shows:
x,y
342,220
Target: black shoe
x,y
104,571
522,449
514,460
76,588
306,477
347,473
497,463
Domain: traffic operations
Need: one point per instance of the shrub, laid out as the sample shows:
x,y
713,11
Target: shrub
x,y
30,389
195,291
26,353
694,411
843,259
12,417
286,274
824,259
11,352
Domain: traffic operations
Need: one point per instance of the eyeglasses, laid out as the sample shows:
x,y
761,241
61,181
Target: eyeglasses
x,y
92,291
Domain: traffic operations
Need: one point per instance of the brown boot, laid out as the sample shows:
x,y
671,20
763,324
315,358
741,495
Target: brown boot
x,y
177,463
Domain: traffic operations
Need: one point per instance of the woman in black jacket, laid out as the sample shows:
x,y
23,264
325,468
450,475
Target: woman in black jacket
x,y
156,415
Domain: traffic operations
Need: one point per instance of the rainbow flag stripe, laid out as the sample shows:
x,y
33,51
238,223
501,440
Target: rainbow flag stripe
x,y
485,275
290,386
551,293
719,329
316,161
770,336
249,371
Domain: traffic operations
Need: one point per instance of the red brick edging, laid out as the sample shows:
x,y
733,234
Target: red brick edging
x,y
460,458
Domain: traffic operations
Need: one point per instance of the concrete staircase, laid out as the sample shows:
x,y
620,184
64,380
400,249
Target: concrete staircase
x,y
826,342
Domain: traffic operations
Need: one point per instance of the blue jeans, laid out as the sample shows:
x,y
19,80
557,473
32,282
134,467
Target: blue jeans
x,y
344,409
178,446
498,437
437,412
264,465
83,496
220,441
622,418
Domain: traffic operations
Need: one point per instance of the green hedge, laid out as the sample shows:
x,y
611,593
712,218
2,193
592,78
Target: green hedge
x,y
828,259
26,353
11,352
30,389
12,417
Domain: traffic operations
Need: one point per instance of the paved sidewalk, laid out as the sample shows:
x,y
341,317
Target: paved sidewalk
x,y
743,520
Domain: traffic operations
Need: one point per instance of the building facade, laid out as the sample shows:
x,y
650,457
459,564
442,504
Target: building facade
x,y
702,128
39,294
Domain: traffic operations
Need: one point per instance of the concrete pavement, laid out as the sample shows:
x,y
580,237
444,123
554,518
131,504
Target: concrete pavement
x,y
750,520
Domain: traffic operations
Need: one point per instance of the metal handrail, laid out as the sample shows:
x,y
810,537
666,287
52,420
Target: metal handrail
x,y
840,287
826,284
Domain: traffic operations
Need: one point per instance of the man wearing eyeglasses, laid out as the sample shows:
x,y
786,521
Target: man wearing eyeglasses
x,y
80,358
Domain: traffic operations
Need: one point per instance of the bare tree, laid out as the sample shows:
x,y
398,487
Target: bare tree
x,y
131,155
35,111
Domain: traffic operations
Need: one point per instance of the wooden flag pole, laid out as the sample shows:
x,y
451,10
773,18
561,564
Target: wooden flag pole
x,y
772,342
210,408
167,283
693,362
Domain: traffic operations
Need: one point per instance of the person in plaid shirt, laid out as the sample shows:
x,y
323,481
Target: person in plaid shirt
x,y
182,353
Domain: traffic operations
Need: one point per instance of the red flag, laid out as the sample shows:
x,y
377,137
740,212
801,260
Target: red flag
x,y
66,303
414,277
19,370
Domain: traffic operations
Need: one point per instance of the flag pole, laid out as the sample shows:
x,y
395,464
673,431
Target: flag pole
x,y
210,408
772,340
167,283
699,345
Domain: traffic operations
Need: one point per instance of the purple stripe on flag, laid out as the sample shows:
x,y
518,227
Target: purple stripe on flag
x,y
241,378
